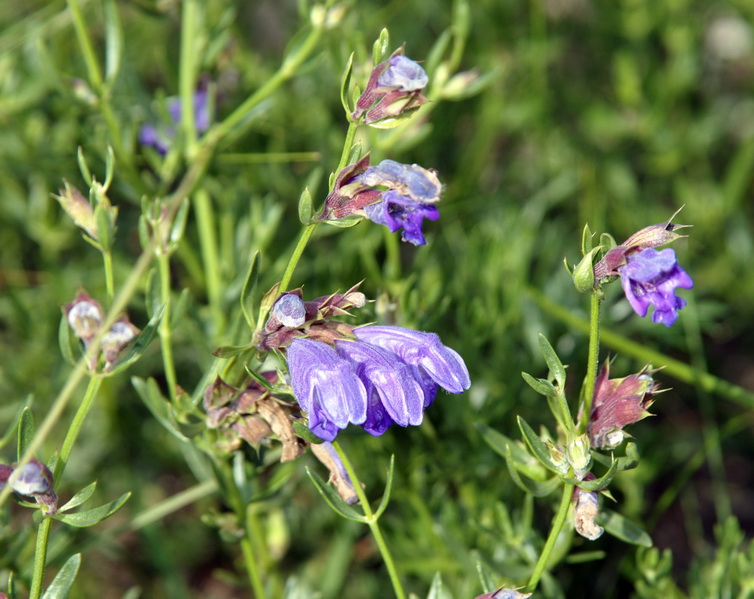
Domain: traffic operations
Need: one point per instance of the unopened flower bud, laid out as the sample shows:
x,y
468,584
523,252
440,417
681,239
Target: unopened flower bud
x,y
289,310
505,593
78,208
558,457
34,478
120,334
578,455
84,316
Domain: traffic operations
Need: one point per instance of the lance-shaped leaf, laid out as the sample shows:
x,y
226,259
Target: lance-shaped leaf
x,y
388,489
141,342
623,529
159,406
249,289
505,446
302,431
553,362
25,432
538,447
305,210
95,515
597,484
80,497
541,386
627,462
334,500
530,486
345,84
63,581
435,591
65,340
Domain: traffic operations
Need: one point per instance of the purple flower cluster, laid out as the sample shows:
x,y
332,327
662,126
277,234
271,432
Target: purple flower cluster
x,y
387,375
398,196
650,277
161,136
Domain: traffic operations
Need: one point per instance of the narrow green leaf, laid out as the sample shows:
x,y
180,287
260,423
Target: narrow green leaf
x,y
529,486
302,431
586,240
623,529
152,397
381,47
63,581
80,497
597,484
334,500
305,211
25,432
65,340
84,167
141,342
178,227
537,446
541,386
249,290
388,489
345,84
228,351
113,40
345,223
627,462
12,430
552,360
435,590
437,51
95,515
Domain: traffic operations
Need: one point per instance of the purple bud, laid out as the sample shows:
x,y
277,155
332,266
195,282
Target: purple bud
x,y
403,74
84,316
289,310
33,479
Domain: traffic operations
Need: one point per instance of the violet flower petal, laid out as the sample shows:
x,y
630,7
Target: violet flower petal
x,y
403,74
396,211
420,349
390,379
326,387
650,277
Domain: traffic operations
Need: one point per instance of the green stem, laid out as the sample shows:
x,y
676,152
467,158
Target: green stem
x,y
593,359
372,522
107,257
40,558
73,431
676,368
557,526
166,342
205,219
250,559
187,73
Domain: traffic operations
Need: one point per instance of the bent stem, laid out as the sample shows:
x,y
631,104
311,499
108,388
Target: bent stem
x,y
557,526
372,523
593,359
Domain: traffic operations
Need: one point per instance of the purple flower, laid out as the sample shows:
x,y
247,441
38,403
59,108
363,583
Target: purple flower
x,y
396,211
403,74
393,92
650,277
386,375
422,350
327,387
161,136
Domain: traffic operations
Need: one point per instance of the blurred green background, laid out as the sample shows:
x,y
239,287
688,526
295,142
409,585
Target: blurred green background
x,y
612,113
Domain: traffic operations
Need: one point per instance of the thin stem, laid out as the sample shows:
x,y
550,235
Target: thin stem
x,y
593,359
107,257
683,372
166,343
73,431
372,522
205,219
40,558
557,526
187,72
251,561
